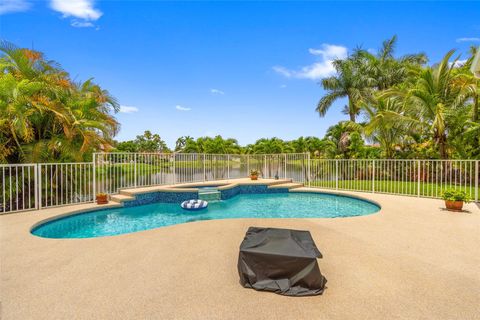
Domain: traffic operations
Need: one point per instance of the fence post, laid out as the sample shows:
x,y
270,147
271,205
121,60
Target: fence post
x,y
476,180
39,171
204,169
308,169
135,169
336,174
35,185
285,167
265,166
94,175
373,176
418,178
174,173
228,166
248,164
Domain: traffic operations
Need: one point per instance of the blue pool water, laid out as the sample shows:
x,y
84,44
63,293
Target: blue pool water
x,y
116,221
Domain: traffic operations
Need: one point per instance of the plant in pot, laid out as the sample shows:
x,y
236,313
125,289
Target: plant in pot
x,y
254,174
454,199
102,198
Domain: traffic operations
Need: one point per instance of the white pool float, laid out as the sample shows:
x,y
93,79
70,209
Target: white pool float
x,y
194,204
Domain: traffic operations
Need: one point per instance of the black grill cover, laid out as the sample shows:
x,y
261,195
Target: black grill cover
x,y
280,260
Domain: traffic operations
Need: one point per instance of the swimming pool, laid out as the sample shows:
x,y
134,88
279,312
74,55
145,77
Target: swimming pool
x,y
115,221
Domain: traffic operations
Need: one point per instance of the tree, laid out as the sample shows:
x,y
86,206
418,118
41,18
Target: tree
x,y
384,70
347,83
270,146
380,127
182,143
147,142
431,102
44,116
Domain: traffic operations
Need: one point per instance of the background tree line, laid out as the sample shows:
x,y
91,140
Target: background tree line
x,y
398,107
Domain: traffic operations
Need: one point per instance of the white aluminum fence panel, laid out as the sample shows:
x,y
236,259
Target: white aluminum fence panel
x,y
18,187
65,183
238,166
116,171
190,167
422,178
216,167
297,167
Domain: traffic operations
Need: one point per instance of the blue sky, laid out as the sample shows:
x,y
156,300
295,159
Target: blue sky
x,y
240,69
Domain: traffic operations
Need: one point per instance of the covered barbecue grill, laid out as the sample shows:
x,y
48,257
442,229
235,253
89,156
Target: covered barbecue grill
x,y
280,260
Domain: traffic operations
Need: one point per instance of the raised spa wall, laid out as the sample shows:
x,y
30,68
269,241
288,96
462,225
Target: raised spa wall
x,y
180,196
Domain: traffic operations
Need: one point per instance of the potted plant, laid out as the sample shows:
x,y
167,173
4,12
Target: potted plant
x,y
102,198
254,174
454,199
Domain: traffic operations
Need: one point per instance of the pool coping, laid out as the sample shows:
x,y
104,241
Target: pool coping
x,y
188,187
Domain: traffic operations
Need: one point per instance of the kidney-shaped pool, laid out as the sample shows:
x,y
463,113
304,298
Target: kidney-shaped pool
x,y
115,221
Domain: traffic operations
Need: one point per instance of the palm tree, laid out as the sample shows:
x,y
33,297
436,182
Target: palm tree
x,y
431,102
380,127
347,83
383,69
182,142
45,116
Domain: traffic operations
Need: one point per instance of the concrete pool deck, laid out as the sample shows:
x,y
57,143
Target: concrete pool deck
x,y
412,260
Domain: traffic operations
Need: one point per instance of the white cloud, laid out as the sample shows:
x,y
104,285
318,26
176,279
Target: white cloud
x,y
82,9
180,108
458,63
127,109
321,69
466,39
82,24
216,91
9,6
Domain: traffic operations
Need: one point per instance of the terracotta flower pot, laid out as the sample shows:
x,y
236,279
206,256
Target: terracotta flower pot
x,y
254,177
454,205
102,199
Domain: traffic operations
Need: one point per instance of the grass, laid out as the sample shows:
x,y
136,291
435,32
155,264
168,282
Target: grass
x,y
399,187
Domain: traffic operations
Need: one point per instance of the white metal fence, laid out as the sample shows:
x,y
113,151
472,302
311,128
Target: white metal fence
x,y
422,178
18,187
36,186
116,171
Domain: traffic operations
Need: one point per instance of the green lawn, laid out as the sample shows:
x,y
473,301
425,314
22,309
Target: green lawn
x,y
398,187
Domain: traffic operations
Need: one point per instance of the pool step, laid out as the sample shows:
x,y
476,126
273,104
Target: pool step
x,y
121,198
288,185
210,194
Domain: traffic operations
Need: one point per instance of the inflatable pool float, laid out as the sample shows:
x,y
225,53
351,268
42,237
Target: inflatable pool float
x,y
194,204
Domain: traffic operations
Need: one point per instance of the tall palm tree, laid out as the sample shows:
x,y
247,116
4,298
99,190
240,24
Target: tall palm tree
x,y
347,83
383,69
431,101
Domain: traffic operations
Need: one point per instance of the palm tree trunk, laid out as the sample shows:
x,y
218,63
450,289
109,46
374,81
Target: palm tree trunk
x,y
352,110
442,144
476,102
352,116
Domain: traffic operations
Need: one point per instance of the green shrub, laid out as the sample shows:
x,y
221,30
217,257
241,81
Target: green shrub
x,y
455,195
254,173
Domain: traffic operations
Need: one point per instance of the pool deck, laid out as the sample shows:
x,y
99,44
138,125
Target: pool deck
x,y
413,260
